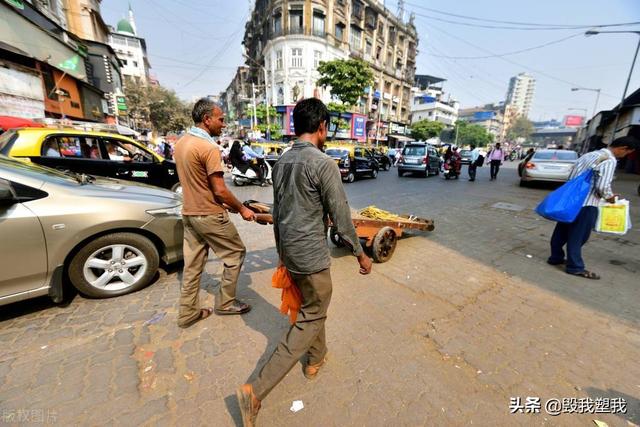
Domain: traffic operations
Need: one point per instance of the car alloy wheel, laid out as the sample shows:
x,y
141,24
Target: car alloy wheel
x,y
114,264
350,177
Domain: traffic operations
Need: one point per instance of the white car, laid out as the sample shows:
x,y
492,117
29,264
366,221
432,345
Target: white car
x,y
549,165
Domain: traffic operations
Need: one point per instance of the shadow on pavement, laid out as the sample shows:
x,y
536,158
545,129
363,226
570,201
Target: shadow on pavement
x,y
632,414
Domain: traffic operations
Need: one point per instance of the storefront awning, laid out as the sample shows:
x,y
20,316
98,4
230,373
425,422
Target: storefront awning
x,y
401,138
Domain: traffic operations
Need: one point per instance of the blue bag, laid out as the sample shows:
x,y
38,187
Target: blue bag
x,y
564,204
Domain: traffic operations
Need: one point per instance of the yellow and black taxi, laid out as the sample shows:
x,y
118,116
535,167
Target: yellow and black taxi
x,y
92,153
353,160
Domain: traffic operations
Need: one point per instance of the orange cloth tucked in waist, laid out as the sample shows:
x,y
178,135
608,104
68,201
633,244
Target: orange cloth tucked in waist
x,y
291,296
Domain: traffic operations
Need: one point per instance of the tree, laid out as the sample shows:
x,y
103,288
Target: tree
x,y
425,129
521,128
347,80
261,113
469,134
157,107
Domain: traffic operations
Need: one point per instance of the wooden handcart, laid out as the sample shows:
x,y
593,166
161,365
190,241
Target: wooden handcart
x,y
381,236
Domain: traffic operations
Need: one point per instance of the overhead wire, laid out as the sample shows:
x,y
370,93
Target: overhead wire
x,y
530,24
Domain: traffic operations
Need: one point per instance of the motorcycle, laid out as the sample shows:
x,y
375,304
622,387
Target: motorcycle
x,y
452,168
249,177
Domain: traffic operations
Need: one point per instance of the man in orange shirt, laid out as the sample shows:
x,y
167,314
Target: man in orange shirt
x,y
206,221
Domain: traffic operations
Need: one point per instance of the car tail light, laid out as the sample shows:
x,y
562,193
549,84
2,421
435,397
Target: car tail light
x,y
401,159
424,159
530,165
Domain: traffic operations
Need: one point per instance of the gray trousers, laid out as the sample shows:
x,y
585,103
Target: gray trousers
x,y
305,337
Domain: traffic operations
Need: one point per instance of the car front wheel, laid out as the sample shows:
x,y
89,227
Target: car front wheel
x,y
113,265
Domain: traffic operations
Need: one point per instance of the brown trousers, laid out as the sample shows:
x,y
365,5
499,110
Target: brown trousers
x,y
306,336
201,233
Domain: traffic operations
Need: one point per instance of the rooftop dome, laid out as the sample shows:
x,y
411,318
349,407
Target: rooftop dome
x,y
124,26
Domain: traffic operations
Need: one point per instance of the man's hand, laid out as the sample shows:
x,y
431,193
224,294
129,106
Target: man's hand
x,y
365,263
247,214
612,199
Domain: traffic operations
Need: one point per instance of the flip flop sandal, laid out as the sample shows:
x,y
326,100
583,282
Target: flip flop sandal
x,y
587,275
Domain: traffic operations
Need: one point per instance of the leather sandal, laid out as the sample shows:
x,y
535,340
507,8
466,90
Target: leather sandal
x,y
311,371
236,307
249,405
587,275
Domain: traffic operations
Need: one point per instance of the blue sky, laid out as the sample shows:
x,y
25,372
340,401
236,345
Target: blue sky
x,y
195,46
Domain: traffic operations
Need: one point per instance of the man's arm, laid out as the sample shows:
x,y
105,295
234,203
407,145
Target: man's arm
x,y
222,194
334,201
604,178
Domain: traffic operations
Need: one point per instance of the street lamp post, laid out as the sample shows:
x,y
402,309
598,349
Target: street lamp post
x,y
266,90
597,91
633,63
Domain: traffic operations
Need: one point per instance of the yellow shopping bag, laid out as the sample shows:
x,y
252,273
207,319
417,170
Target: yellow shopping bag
x,y
613,217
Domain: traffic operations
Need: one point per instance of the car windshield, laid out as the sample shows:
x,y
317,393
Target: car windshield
x,y
258,150
5,138
335,152
414,150
464,153
33,170
555,155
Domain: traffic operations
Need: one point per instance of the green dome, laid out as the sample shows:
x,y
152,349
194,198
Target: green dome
x,y
125,27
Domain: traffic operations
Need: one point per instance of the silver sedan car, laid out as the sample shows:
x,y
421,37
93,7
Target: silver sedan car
x,y
106,237
548,165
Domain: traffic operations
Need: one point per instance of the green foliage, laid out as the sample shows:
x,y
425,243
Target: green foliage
x,y
348,78
261,114
425,129
521,128
335,107
472,134
157,107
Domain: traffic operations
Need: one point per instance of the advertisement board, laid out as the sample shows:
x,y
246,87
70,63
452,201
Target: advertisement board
x,y
573,121
481,116
21,94
288,119
358,127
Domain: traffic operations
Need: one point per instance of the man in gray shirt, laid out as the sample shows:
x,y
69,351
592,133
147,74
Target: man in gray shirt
x,y
307,192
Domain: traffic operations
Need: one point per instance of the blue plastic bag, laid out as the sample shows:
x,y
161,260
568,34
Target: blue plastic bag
x,y
564,204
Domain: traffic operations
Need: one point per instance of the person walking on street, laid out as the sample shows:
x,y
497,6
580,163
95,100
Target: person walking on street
x,y
496,156
205,220
575,234
475,153
307,192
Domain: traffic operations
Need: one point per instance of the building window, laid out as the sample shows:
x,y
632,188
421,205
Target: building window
x,y
317,57
318,23
368,46
355,40
340,31
279,60
296,57
135,63
277,23
296,20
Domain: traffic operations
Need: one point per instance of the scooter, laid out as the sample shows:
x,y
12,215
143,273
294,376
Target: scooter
x,y
249,177
451,169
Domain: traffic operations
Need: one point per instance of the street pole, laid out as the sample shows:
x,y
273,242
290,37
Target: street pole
x,y
595,106
266,101
254,122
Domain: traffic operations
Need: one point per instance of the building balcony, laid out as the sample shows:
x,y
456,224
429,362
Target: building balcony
x,y
319,33
296,30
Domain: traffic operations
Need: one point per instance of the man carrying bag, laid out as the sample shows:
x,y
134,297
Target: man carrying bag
x,y
575,233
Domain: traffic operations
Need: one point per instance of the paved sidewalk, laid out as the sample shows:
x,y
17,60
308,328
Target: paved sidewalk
x,y
444,334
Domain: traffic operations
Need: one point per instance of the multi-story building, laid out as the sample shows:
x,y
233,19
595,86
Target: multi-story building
x,y
237,96
520,93
131,50
285,40
490,117
431,103
45,67
102,64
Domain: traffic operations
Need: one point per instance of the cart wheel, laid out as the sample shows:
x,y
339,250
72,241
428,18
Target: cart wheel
x,y
384,244
335,238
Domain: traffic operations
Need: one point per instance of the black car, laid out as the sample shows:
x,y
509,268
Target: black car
x,y
383,160
354,164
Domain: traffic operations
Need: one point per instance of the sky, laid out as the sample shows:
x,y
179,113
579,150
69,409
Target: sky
x,y
195,46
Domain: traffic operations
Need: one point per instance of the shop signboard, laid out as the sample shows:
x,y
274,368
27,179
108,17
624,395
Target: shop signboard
x,y
358,127
21,94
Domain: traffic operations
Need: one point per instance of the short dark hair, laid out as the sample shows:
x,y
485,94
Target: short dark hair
x,y
625,141
308,114
202,108
473,146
